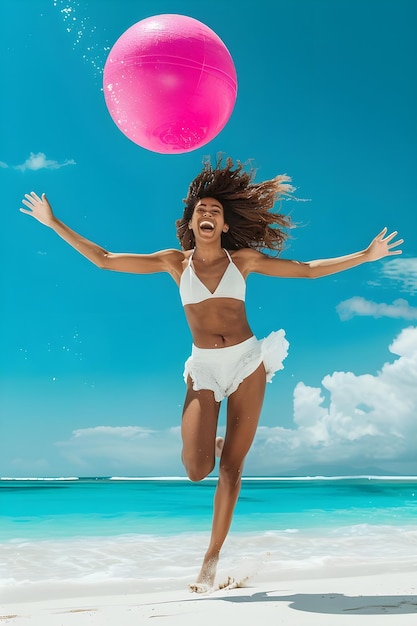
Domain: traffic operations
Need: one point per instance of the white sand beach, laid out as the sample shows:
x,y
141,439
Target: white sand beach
x,y
317,568
326,601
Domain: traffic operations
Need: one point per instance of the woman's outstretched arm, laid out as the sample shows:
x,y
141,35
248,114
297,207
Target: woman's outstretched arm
x,y
381,246
162,261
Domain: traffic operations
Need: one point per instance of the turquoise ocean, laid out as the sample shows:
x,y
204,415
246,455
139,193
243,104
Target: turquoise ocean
x,y
74,535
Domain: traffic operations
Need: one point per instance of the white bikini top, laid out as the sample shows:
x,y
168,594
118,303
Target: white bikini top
x,y
231,285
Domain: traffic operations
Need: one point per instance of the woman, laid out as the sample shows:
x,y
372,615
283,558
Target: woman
x,y
227,221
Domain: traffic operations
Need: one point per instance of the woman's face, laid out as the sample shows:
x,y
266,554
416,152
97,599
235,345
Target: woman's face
x,y
207,222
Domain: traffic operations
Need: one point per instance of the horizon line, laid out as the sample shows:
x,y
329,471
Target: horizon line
x,y
211,478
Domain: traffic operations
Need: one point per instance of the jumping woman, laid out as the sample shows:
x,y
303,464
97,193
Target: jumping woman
x,y
227,226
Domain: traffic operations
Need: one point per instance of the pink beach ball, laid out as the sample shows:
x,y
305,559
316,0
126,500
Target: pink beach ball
x,y
170,84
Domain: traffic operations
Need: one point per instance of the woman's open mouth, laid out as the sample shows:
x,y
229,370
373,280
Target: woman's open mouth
x,y
206,226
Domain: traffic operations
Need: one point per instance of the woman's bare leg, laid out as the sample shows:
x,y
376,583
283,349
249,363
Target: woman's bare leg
x,y
243,411
198,430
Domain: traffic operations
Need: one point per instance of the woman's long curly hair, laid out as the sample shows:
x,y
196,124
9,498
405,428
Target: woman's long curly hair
x,y
247,206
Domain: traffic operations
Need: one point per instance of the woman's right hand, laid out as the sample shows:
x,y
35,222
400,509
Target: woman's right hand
x,y
39,208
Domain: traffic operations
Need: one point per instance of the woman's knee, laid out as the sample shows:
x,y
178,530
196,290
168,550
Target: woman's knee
x,y
230,473
198,469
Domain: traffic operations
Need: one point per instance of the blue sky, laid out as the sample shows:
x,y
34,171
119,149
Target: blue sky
x,y
92,361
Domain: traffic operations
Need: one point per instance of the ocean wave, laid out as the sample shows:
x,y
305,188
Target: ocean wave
x,y
33,478
146,562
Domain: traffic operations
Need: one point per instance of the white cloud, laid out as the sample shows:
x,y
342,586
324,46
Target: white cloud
x,y
399,309
403,271
124,449
3,165
351,421
122,432
39,161
39,467
347,424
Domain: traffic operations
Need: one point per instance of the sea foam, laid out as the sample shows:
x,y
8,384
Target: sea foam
x,y
139,563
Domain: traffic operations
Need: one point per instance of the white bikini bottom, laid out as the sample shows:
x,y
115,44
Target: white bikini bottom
x,y
223,369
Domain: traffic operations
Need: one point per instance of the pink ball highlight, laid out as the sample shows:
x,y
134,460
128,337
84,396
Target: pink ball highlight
x,y
170,84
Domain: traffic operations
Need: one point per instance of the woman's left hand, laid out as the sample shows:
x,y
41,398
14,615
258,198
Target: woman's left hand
x,y
383,245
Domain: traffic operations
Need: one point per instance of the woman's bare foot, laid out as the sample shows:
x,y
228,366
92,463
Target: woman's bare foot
x,y
206,576
219,446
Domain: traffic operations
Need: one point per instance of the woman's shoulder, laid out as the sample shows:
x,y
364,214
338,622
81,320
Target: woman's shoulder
x,y
245,254
244,259
173,256
174,253
173,261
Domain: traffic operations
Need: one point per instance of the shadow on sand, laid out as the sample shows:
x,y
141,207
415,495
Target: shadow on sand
x,y
333,603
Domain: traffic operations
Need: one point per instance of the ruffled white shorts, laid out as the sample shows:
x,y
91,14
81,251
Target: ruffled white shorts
x,y
223,369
